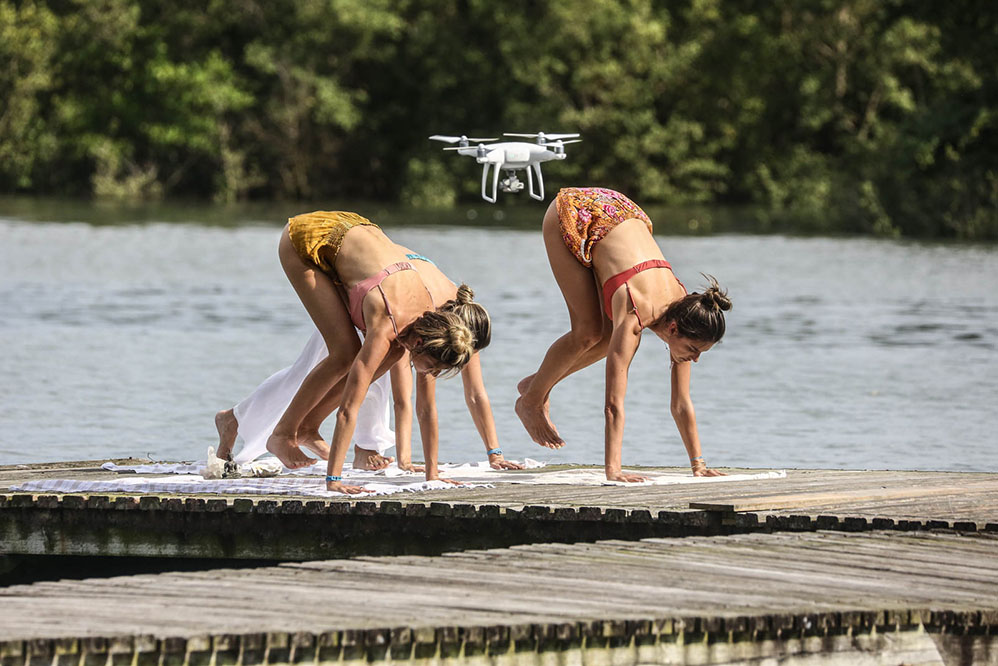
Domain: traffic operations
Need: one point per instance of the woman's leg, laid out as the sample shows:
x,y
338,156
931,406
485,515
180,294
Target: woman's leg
x,y
322,302
577,287
372,436
595,353
228,428
370,430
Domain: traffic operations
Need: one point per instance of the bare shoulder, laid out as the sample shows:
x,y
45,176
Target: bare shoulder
x,y
439,284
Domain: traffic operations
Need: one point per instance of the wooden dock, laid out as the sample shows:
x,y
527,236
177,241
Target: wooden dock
x,y
824,566
282,528
848,598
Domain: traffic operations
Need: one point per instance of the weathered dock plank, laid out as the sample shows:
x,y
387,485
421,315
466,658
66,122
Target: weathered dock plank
x,y
852,497
696,599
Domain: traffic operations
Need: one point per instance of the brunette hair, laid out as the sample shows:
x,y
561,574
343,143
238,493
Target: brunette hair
x,y
445,337
475,317
700,316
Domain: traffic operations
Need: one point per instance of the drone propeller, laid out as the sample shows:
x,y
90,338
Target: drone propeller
x,y
542,135
455,139
559,142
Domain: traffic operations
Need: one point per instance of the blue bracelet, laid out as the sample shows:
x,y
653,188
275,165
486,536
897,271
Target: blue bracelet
x,y
497,452
330,477
697,458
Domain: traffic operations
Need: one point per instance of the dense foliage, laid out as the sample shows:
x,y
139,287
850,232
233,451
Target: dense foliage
x,y
877,116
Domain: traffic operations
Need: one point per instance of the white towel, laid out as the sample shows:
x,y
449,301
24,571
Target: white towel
x,y
310,487
186,478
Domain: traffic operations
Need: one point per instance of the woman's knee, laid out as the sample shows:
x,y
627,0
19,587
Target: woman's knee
x,y
342,353
586,335
603,344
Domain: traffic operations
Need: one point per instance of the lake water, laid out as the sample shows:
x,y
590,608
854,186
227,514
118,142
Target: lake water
x,y
124,339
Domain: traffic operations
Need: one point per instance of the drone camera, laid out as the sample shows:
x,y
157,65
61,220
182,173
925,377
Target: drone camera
x,y
511,183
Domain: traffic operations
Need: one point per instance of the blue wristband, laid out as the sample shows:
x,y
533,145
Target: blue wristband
x,y
330,477
497,452
697,458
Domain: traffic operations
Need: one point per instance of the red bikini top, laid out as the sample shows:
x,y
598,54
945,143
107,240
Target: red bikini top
x,y
611,286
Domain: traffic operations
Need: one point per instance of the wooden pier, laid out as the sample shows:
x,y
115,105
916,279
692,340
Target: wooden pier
x,y
829,567
875,597
282,528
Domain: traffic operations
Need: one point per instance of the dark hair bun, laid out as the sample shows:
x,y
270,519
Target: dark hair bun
x,y
715,298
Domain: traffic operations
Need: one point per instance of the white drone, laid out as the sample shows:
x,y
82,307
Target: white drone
x,y
510,156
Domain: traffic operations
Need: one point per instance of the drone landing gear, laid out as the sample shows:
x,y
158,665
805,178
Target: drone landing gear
x,y
511,183
535,168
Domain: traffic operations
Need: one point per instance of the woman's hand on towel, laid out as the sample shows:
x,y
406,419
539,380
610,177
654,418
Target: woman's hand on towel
x,y
451,481
340,487
407,466
626,478
496,461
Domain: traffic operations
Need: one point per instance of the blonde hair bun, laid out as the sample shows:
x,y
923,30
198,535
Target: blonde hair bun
x,y
461,339
474,316
465,295
445,337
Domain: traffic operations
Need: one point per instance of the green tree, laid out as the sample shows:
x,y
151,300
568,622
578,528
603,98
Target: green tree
x,y
27,47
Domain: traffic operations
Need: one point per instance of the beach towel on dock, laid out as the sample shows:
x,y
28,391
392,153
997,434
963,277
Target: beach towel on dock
x,y
309,481
191,484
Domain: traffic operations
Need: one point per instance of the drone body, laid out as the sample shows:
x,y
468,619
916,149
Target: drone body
x,y
511,156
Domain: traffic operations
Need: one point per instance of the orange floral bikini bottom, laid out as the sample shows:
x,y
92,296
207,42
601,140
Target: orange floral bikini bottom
x,y
587,214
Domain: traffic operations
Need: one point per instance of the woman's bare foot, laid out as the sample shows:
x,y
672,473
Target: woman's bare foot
x,y
548,432
287,451
535,419
370,460
313,441
227,427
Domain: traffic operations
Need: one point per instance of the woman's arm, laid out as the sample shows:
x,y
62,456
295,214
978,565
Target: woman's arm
x,y
685,417
426,414
481,413
362,372
401,375
623,343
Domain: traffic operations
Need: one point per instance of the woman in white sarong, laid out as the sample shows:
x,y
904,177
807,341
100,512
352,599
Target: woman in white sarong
x,y
255,417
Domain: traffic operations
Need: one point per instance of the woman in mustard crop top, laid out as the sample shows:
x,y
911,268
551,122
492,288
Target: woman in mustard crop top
x,y
616,283
349,274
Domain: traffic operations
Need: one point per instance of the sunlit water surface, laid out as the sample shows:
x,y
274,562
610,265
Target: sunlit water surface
x,y
124,339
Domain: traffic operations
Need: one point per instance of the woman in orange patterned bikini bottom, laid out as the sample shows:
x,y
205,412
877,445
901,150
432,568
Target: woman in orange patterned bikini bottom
x,y
616,282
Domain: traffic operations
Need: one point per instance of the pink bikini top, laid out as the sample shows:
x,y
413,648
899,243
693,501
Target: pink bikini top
x,y
611,286
359,291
